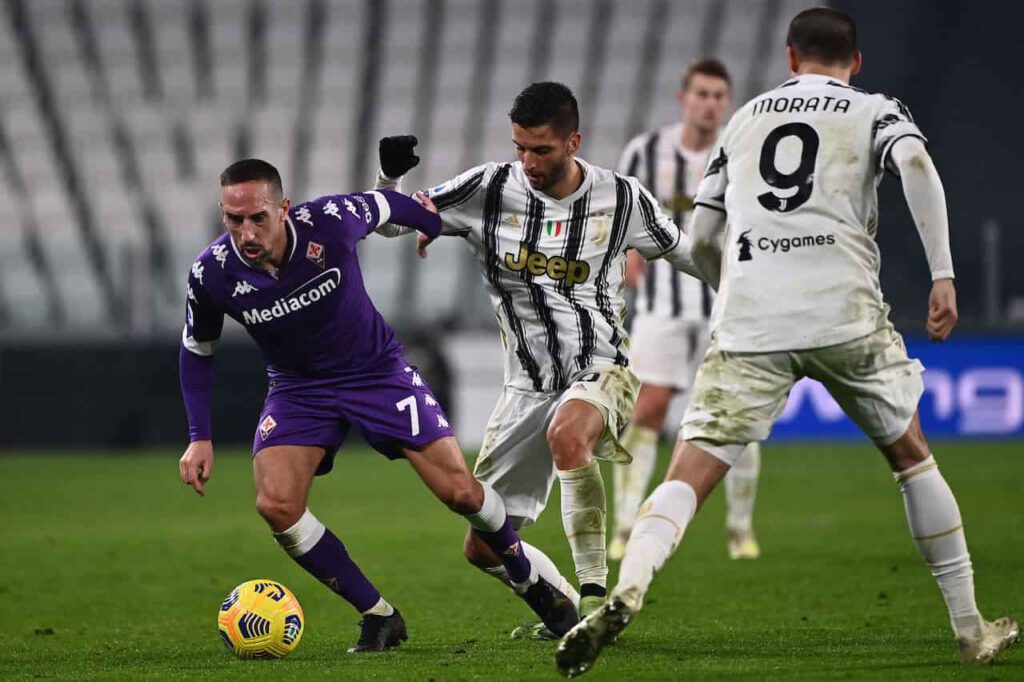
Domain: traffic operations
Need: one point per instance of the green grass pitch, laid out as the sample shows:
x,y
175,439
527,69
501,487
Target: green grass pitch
x,y
110,568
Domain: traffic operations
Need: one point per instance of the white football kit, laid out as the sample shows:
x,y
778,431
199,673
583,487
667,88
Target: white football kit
x,y
555,272
796,172
670,322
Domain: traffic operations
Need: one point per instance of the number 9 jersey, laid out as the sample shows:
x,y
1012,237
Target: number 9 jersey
x,y
796,172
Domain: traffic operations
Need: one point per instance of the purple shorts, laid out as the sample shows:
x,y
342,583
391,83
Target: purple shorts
x,y
393,410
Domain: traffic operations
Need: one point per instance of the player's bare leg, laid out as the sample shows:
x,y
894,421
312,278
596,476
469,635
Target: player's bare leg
x,y
443,469
283,476
740,494
572,435
938,532
663,519
631,480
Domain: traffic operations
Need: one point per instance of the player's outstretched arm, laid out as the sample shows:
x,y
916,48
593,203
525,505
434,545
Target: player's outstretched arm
x,y
653,234
706,227
196,376
927,202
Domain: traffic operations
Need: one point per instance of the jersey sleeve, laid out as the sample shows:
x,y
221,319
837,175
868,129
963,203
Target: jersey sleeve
x,y
893,121
352,216
711,191
460,200
650,231
204,320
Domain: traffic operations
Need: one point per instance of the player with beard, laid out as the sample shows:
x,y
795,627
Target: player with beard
x,y
550,232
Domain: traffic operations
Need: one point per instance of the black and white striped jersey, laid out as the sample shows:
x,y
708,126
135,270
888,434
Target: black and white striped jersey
x,y
796,174
672,173
555,269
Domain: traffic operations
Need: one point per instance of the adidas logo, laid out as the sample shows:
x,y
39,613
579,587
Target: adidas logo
x,y
510,221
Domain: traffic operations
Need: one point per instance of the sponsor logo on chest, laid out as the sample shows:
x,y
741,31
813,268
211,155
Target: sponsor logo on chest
x,y
306,295
571,272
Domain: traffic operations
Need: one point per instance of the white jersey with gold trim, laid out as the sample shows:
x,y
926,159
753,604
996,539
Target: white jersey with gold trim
x,y
672,173
796,172
555,269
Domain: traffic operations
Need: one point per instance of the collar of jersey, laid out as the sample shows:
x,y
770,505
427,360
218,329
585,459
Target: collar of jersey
x,y
588,180
812,77
291,229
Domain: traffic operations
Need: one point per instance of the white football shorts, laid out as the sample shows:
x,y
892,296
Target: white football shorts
x,y
515,458
667,351
737,397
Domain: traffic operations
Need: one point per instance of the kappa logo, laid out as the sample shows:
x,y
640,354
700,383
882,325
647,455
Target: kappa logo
x,y
331,209
351,208
191,294
429,400
220,252
242,287
442,423
315,253
197,271
510,221
267,427
416,379
302,214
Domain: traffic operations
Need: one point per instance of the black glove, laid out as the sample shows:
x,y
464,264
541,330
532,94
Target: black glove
x,y
396,157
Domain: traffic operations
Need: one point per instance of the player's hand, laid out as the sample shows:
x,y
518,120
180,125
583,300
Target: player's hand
x,y
196,465
396,155
422,242
942,315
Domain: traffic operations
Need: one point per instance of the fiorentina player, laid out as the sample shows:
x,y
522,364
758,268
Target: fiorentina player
x,y
291,277
550,232
792,184
670,322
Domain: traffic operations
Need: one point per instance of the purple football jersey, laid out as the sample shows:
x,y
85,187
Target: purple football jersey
x,y
313,318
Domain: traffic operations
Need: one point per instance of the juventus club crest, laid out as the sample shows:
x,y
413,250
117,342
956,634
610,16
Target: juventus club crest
x,y
315,253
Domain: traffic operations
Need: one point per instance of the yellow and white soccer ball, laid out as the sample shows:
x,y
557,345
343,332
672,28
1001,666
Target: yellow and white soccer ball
x,y
260,619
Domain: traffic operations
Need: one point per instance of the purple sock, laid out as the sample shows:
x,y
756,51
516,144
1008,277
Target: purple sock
x,y
505,543
330,563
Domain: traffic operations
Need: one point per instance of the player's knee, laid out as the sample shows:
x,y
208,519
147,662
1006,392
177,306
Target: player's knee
x,y
279,513
464,496
568,446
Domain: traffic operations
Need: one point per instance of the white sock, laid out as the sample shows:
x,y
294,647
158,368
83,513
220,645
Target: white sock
x,y
543,566
583,517
491,516
656,534
938,532
631,480
302,536
381,608
741,490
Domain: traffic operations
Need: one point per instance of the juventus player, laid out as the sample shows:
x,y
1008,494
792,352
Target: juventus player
x,y
670,323
793,185
550,232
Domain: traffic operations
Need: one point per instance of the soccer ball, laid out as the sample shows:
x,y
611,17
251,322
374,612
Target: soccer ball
x,y
260,619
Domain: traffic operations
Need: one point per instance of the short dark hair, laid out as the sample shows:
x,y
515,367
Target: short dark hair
x,y
547,102
252,170
706,67
824,35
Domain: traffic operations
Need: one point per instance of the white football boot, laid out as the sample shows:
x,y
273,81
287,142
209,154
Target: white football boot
x,y
995,636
